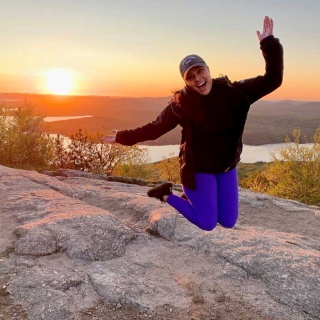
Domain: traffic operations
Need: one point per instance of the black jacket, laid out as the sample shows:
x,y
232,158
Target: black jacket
x,y
212,125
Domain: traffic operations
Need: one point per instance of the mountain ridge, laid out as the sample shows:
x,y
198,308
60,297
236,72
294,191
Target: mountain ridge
x,y
269,121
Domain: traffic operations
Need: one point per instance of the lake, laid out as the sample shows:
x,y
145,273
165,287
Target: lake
x,y
250,154
51,119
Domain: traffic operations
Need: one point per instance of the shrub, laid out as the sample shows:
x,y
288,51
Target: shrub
x,y
86,152
22,143
294,172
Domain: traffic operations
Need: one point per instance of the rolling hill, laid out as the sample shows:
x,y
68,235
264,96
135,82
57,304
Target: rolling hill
x,y
268,121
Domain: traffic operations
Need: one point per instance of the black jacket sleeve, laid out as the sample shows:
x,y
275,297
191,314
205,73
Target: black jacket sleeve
x,y
166,121
256,88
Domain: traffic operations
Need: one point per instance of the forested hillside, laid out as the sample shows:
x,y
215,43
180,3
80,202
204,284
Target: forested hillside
x,y
268,121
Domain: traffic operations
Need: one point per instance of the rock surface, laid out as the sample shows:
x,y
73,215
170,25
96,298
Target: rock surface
x,y
77,246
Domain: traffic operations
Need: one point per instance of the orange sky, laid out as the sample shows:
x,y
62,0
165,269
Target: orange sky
x,y
133,48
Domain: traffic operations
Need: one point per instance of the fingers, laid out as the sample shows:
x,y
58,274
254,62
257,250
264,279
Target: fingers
x,y
259,34
271,25
267,28
267,24
108,139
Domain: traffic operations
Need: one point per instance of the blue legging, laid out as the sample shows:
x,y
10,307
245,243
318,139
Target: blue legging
x,y
214,200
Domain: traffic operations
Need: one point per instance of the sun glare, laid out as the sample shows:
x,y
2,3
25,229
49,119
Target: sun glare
x,y
59,81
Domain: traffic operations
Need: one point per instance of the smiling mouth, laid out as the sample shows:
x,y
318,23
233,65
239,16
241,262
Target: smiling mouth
x,y
201,85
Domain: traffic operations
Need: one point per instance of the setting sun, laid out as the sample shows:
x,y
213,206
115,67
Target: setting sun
x,y
59,81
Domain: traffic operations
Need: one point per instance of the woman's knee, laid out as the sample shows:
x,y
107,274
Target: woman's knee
x,y
210,225
207,225
228,224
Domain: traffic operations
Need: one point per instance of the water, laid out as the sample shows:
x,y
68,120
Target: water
x,y
51,119
250,154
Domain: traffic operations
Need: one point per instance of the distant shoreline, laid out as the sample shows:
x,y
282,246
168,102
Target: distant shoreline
x,y
20,97
250,154
57,118
268,122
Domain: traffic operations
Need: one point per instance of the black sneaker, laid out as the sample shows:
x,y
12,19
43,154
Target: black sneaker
x,y
164,189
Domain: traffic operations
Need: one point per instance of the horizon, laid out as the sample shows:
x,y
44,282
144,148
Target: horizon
x,y
125,97
133,48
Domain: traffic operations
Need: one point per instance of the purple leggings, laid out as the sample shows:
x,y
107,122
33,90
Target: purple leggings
x,y
214,200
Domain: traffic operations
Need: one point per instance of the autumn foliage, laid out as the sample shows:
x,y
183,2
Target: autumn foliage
x,y
22,142
294,172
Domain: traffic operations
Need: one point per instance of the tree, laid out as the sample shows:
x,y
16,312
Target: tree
x,y
61,154
23,143
137,168
294,172
169,169
86,152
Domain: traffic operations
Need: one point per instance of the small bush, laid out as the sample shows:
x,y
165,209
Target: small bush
x,y
22,143
294,172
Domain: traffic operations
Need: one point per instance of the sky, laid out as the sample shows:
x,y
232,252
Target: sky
x,y
133,47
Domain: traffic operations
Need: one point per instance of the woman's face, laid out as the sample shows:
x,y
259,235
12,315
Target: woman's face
x,y
199,79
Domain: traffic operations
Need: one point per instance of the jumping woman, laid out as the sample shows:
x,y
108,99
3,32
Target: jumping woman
x,y
212,114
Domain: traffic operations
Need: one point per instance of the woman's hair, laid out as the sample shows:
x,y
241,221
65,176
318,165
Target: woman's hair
x,y
190,102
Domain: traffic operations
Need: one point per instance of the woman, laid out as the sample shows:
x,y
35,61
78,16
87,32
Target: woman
x,y
212,114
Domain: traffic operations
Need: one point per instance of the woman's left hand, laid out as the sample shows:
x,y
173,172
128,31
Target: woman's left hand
x,y
267,29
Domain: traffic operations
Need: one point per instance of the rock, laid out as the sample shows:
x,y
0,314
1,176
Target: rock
x,y
89,234
136,282
55,221
285,262
79,242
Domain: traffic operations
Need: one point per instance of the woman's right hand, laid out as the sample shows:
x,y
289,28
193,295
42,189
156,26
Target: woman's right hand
x,y
109,139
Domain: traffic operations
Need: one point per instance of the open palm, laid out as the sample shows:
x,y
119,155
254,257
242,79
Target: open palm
x,y
267,29
110,139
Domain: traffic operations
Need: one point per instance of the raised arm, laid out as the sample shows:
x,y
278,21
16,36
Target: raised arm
x,y
272,51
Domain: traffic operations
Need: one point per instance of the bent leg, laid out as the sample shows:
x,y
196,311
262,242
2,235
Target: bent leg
x,y
201,208
228,198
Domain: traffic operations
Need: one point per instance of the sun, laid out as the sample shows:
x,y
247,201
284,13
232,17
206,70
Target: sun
x,y
59,81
